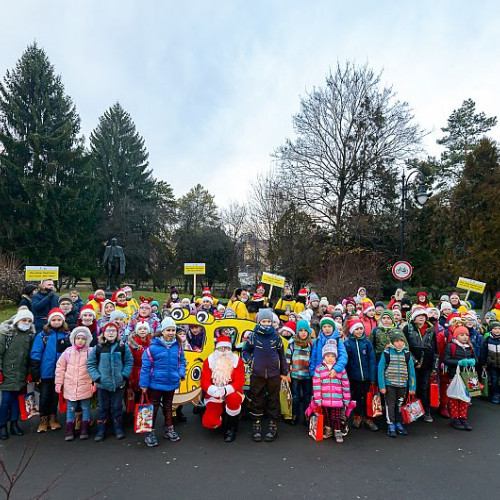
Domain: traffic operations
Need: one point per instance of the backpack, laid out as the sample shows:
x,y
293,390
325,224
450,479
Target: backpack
x,y
179,352
387,357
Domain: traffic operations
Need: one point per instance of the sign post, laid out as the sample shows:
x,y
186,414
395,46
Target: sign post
x,y
194,269
273,280
470,286
39,273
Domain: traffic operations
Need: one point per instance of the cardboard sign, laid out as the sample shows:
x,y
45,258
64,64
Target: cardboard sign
x,y
194,268
472,285
39,273
273,279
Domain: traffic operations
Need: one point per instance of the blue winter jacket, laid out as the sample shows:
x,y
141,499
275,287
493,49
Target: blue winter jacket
x,y
45,351
476,339
110,365
41,304
317,354
167,368
265,352
362,363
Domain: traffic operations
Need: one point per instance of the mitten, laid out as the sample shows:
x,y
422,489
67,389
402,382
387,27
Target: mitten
x,y
463,363
58,388
472,362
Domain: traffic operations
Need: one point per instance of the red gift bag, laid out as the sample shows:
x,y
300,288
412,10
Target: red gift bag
x,y
28,406
130,403
434,391
316,425
412,410
63,406
143,416
373,402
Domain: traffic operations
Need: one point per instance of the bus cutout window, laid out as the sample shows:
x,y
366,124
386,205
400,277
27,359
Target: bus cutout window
x,y
196,337
227,331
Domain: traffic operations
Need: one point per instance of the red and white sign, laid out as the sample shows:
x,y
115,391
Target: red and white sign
x,y
402,270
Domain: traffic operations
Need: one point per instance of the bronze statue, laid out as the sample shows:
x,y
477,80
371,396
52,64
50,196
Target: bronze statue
x,y
113,263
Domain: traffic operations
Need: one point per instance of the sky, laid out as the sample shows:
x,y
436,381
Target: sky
x,y
212,86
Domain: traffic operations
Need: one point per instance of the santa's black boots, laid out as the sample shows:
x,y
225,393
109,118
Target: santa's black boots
x,y
230,424
257,431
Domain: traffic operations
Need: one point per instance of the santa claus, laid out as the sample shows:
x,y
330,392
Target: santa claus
x,y
222,380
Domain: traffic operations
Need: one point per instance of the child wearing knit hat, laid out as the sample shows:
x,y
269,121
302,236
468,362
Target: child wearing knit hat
x,y
380,336
490,357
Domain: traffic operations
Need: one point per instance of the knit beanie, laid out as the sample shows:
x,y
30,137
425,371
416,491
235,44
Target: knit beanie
x,y
387,312
396,334
313,297
265,314
493,324
167,322
327,320
22,314
117,314
418,311
379,303
445,305
303,325
324,302
142,324
65,298
491,315
330,347
460,329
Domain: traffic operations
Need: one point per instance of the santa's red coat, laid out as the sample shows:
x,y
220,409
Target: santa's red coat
x,y
237,378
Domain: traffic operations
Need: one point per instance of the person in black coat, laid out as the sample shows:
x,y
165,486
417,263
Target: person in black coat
x,y
42,302
28,292
70,311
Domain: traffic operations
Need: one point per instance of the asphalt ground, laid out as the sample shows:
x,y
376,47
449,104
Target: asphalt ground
x,y
434,461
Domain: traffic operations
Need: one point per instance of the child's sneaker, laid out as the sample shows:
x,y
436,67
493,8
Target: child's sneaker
x,y
338,436
151,439
357,421
327,432
171,434
428,417
391,431
400,429
371,425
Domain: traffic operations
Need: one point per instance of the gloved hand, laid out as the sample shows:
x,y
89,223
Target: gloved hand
x,y
58,388
472,362
463,363
1,378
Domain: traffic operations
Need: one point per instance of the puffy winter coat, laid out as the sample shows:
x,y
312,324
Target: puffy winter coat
x,y
331,392
163,367
317,352
361,364
72,374
45,352
423,345
264,350
368,323
110,365
453,354
490,352
41,304
14,356
137,346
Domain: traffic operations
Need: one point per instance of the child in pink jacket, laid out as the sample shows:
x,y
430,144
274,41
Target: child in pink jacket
x,y
72,377
331,391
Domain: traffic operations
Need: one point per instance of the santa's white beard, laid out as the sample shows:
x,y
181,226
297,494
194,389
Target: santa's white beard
x,y
222,370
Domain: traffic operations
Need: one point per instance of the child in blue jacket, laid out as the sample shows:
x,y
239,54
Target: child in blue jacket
x,y
163,368
49,344
110,365
361,369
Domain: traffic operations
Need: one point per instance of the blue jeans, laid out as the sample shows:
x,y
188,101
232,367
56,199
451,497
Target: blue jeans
x,y
110,402
494,380
71,409
301,392
9,408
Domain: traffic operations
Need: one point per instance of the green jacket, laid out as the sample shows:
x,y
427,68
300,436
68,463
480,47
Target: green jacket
x,y
14,356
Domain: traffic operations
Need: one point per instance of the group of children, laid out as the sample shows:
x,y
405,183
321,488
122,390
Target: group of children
x,y
355,347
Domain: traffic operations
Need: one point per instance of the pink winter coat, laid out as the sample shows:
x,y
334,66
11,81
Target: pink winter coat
x,y
72,374
331,392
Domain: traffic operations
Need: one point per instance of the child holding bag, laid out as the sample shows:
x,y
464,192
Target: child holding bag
x,y
138,341
331,391
163,368
74,380
459,352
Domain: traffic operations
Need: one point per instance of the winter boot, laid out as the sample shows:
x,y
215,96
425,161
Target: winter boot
x,y
15,430
171,435
69,432
457,424
101,431
391,431
495,399
257,431
400,429
85,430
444,412
3,432
230,429
272,431
54,424
466,424
78,421
151,440
338,436
179,416
294,420
118,428
43,425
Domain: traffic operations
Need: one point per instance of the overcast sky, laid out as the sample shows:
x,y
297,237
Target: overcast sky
x,y
212,86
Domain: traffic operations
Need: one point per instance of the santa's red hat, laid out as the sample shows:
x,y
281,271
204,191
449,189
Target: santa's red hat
x,y
354,323
223,341
56,313
206,291
116,293
88,308
290,327
302,292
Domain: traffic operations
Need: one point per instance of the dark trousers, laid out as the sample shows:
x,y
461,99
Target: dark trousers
x,y
259,402
494,376
9,408
394,398
49,399
110,402
359,390
301,392
333,417
423,376
165,398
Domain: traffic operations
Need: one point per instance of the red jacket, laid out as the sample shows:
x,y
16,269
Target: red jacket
x,y
137,346
369,324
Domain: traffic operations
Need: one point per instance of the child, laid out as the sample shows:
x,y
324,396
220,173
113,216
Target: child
x,y
118,318
137,343
361,368
108,307
132,303
196,337
331,390
379,308
298,355
182,338
70,312
396,374
328,331
264,350
49,344
73,378
88,318
15,338
97,301
110,365
490,357
76,300
380,336
459,352
368,318
163,368
119,297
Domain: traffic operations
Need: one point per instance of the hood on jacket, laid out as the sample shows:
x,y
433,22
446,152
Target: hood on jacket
x,y
81,330
135,342
8,328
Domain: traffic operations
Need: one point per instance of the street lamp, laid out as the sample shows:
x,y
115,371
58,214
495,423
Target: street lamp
x,y
421,197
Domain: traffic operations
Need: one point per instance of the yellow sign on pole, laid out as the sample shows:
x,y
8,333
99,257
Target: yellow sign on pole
x,y
38,273
194,268
471,285
273,280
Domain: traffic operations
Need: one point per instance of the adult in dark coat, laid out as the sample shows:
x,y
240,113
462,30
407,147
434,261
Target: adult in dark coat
x,y
28,292
42,302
